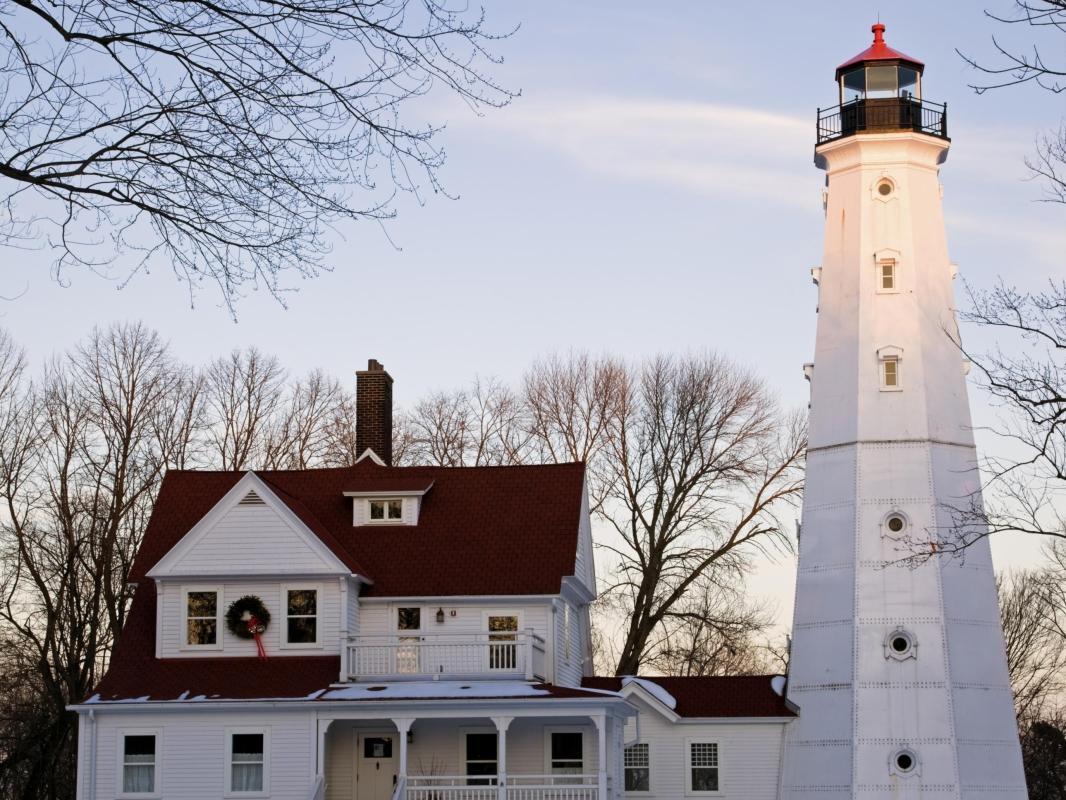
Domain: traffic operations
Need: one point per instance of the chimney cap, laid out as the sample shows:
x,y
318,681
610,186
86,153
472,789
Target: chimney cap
x,y
373,366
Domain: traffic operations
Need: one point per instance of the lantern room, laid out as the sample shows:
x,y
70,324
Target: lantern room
x,y
879,73
880,90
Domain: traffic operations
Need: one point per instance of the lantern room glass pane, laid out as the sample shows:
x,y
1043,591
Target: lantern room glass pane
x,y
853,85
881,82
908,84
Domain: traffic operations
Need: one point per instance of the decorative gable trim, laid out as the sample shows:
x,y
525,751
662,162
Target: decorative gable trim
x,y
633,688
249,490
368,453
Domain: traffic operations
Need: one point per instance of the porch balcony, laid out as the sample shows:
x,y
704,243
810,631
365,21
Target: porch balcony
x,y
494,787
484,655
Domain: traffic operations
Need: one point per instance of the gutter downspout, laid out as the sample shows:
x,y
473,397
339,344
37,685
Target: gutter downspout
x,y
91,794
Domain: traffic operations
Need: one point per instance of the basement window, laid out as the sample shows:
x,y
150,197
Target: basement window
x,y
385,510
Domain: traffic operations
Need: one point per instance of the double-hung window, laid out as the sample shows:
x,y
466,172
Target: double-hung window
x,y
481,758
301,615
703,766
886,275
566,754
202,627
386,510
890,373
246,757
637,764
139,763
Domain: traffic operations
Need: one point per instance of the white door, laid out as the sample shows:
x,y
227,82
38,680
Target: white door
x,y
375,766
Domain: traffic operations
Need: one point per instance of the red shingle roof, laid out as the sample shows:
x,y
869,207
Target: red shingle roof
x,y
713,696
481,531
878,51
472,521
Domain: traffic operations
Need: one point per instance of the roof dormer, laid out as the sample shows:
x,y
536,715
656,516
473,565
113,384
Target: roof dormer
x,y
396,504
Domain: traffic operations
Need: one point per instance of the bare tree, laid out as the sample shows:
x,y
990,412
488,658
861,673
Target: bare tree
x,y
1016,66
81,457
225,138
1025,486
716,630
483,425
705,465
302,435
574,404
243,392
1036,651
1044,754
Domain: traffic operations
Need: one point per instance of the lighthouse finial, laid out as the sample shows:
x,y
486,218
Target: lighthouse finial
x,y
879,31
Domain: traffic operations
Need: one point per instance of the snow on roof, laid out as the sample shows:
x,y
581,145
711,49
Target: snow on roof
x,y
654,689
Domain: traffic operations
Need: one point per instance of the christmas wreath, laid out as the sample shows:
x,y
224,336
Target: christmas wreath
x,y
247,617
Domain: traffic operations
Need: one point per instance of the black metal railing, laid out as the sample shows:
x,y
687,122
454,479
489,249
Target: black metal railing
x,y
892,114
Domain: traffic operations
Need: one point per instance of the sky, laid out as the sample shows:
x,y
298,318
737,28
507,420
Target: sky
x,y
651,190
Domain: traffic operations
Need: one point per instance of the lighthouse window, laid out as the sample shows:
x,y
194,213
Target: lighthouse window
x,y
853,85
887,275
899,645
890,373
884,188
904,762
896,523
908,84
881,82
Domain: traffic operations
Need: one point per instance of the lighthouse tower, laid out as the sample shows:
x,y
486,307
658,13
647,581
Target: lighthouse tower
x,y
898,670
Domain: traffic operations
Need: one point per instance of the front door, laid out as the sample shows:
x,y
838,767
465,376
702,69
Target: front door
x,y
375,766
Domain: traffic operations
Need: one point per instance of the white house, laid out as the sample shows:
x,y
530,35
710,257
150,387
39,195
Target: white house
x,y
428,639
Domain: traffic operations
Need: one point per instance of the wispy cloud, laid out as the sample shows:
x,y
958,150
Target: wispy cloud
x,y
727,151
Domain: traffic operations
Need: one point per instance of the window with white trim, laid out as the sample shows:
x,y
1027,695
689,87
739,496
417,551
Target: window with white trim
x,y
567,753
703,767
246,761
385,510
139,756
301,615
636,762
886,275
202,617
481,758
890,372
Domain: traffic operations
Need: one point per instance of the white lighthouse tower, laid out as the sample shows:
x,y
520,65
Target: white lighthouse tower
x,y
899,671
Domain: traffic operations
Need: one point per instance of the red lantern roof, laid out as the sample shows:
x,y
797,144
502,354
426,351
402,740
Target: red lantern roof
x,y
879,51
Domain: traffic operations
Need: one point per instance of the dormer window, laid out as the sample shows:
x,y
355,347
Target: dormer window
x,y
385,510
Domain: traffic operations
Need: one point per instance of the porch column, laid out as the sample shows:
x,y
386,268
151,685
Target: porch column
x,y
403,725
322,725
502,724
601,760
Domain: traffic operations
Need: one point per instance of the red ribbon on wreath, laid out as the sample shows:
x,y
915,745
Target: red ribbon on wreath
x,y
256,628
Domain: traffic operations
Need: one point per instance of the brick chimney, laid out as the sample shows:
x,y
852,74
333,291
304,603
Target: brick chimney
x,y
373,411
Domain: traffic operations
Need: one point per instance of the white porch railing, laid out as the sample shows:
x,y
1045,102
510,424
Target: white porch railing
x,y
520,654
519,787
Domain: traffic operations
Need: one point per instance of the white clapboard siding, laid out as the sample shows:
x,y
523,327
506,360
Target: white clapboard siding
x,y
253,540
380,619
749,754
172,642
192,752
584,563
568,671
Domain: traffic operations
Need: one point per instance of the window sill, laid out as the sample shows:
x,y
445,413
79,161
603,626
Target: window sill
x,y
298,646
891,388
